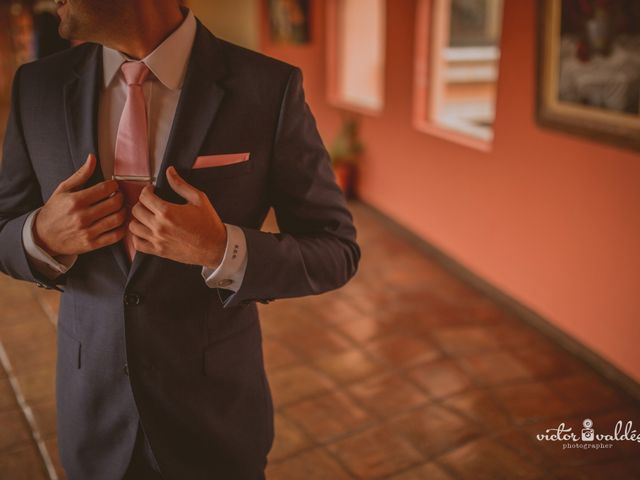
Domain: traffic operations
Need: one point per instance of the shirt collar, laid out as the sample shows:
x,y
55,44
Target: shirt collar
x,y
168,61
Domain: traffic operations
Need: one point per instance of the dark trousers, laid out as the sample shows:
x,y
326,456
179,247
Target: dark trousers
x,y
143,465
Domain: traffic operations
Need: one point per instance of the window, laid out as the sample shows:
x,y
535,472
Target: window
x,y
457,68
356,54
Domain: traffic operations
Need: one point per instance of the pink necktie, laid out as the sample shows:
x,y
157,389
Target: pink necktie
x,y
131,165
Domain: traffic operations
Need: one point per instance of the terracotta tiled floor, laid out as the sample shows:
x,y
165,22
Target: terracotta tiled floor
x,y
407,373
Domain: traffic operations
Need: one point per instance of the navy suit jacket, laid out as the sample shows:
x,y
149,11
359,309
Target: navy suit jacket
x,y
151,341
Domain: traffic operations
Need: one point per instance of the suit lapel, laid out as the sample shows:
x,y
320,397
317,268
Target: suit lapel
x,y
81,100
200,99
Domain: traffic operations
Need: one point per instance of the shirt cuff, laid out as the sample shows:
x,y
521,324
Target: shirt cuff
x,y
46,264
230,273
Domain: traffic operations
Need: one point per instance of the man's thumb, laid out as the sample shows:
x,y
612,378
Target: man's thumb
x,y
181,187
80,176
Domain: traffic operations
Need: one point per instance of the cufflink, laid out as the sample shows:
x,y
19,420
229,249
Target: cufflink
x,y
225,283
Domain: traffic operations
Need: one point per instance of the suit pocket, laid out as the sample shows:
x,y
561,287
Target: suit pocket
x,y
221,159
220,171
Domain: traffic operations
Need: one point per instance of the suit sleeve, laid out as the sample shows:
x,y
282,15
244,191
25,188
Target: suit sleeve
x,y
316,249
19,196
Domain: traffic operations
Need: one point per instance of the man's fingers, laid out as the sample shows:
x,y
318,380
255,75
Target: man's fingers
x,y
96,193
110,237
79,177
107,223
142,245
141,213
106,207
182,188
140,229
153,202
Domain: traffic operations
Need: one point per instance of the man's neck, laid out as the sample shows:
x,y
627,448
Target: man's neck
x,y
150,29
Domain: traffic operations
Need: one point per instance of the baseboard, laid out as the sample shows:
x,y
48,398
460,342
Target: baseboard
x,y
610,372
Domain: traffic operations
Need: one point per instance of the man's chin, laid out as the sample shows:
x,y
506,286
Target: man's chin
x,y
64,32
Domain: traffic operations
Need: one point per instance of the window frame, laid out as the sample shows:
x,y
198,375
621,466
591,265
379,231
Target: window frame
x,y
334,96
431,35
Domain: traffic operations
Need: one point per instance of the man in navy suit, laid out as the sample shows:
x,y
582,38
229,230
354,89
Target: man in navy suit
x,y
137,171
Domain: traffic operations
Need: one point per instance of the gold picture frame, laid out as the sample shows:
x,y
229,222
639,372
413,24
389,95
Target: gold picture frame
x,y
564,103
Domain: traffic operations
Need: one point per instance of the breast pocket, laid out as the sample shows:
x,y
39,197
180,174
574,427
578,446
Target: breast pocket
x,y
223,170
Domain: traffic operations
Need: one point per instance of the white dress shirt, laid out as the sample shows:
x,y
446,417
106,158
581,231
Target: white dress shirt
x,y
168,65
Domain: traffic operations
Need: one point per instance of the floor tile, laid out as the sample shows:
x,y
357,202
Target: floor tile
x,y
7,397
314,341
15,430
546,362
22,463
517,335
276,355
36,354
619,469
494,368
25,333
44,413
530,401
349,366
365,329
401,351
485,459
38,383
289,439
441,378
587,392
387,395
310,465
523,443
299,382
328,416
465,340
480,406
433,429
376,453
429,471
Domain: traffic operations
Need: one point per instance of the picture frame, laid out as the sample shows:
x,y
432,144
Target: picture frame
x,y
588,69
289,21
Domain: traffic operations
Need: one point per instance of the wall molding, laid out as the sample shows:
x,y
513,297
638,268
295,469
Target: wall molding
x,y
616,377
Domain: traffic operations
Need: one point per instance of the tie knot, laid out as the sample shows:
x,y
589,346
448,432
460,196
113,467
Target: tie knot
x,y
135,73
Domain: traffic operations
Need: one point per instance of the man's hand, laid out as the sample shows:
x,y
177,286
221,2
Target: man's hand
x,y
192,233
75,221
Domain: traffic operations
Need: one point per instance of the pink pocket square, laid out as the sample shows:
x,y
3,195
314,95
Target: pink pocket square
x,y
219,160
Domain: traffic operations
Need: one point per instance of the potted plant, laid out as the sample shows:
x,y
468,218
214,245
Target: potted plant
x,y
345,155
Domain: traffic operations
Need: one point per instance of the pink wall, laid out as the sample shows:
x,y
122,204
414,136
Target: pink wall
x,y
550,219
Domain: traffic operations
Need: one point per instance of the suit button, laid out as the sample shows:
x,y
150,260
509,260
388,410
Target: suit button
x,y
132,299
125,369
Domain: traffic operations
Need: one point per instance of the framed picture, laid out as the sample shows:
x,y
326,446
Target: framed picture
x,y
289,21
589,69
